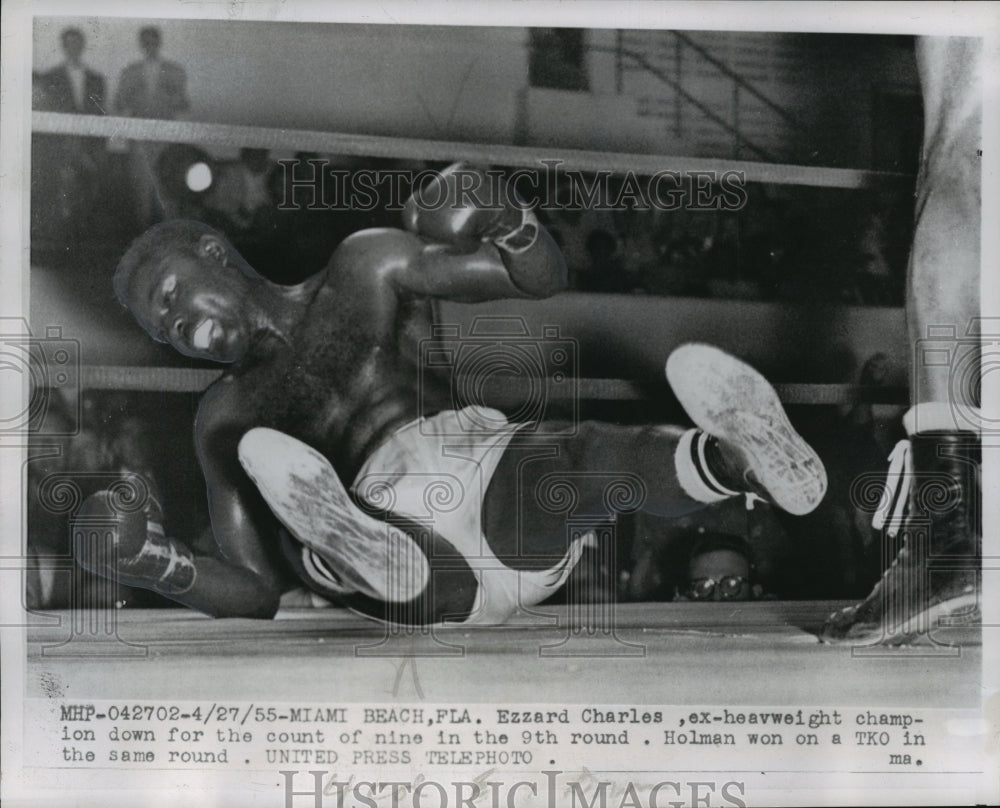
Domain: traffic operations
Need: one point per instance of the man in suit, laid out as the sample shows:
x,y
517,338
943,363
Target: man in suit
x,y
66,169
150,88
72,86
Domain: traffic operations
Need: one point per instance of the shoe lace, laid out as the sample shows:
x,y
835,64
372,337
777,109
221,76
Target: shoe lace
x,y
895,495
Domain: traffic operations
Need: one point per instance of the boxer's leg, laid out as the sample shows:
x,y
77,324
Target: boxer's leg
x,y
562,474
936,572
300,486
762,453
745,447
449,596
943,277
392,569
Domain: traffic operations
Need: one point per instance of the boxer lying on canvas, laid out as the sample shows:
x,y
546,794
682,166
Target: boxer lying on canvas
x,y
327,464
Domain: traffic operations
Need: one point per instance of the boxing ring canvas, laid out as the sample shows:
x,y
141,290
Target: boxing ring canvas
x,y
745,182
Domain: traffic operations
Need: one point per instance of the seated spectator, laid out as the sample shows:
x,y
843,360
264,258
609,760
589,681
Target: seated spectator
x,y
657,569
720,568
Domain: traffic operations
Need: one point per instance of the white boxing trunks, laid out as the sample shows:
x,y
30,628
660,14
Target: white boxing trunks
x,y
436,471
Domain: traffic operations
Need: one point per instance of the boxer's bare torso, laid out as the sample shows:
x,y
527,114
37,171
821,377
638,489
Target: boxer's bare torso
x,y
345,374
333,362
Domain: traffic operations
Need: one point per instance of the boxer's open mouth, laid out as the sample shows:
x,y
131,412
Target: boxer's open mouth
x,y
205,334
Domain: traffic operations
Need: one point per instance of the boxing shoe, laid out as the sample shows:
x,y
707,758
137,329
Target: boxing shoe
x,y
747,445
934,580
302,489
128,545
464,206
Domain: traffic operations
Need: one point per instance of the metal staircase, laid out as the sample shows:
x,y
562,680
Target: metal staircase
x,y
628,59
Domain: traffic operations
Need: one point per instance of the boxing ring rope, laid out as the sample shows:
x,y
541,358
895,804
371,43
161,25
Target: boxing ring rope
x,y
497,389
191,380
340,143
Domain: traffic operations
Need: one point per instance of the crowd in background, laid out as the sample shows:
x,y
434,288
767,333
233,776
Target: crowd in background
x,y
784,243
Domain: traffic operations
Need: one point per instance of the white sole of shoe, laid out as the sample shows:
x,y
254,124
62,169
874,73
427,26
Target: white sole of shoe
x,y
730,400
305,493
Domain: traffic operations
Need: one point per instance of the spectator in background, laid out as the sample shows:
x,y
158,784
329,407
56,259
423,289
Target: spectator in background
x,y
642,246
66,169
150,88
240,198
875,275
683,272
131,451
72,86
659,568
720,568
257,167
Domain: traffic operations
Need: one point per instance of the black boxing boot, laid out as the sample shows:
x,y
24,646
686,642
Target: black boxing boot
x,y
934,580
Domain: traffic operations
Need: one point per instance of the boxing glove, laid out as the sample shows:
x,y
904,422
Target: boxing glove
x,y
465,207
130,546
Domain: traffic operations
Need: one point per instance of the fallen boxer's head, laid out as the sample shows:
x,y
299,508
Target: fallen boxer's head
x,y
187,286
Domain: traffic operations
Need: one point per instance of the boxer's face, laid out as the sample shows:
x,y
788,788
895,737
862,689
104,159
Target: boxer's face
x,y
197,303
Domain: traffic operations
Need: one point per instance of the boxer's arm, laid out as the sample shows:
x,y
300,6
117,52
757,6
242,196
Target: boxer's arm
x,y
467,213
240,580
470,239
243,579
488,273
414,267
142,556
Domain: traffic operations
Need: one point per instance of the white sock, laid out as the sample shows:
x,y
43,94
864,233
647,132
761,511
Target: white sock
x,y
692,470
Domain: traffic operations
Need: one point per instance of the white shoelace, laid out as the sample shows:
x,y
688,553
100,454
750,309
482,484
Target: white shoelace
x,y
895,495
